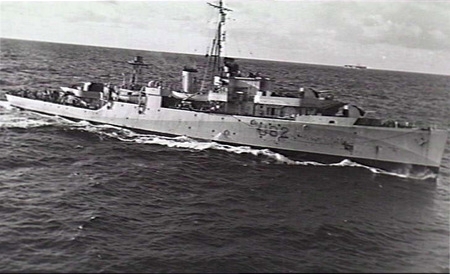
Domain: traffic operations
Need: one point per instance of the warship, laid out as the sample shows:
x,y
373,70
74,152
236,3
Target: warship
x,y
221,104
355,66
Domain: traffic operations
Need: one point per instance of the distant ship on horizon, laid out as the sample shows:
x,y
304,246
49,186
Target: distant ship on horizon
x,y
355,66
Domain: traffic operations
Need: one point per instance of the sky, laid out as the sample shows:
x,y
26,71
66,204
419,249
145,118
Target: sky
x,y
405,35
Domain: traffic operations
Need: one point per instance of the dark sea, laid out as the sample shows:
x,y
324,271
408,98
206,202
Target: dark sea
x,y
79,197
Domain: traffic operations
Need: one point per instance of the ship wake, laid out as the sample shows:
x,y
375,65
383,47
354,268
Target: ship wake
x,y
11,118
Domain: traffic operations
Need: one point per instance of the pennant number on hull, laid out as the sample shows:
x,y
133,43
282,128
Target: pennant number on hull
x,y
264,129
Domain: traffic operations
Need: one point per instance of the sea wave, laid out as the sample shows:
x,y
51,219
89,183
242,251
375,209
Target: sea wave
x,y
5,104
14,118
24,121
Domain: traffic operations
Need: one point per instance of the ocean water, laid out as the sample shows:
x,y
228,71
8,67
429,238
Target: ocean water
x,y
78,197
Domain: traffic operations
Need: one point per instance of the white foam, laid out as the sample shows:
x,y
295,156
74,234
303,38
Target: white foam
x,y
5,104
14,121
401,173
11,117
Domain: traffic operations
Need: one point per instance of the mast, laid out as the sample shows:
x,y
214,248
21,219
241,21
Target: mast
x,y
138,64
213,66
220,36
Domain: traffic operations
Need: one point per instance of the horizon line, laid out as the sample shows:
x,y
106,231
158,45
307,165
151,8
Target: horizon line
x,y
197,54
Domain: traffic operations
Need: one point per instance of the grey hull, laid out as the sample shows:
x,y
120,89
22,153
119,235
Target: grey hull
x,y
405,146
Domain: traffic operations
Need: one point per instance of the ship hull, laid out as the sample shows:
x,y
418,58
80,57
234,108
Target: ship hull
x,y
389,148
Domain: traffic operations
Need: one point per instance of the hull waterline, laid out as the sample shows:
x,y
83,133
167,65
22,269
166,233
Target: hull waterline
x,y
389,148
